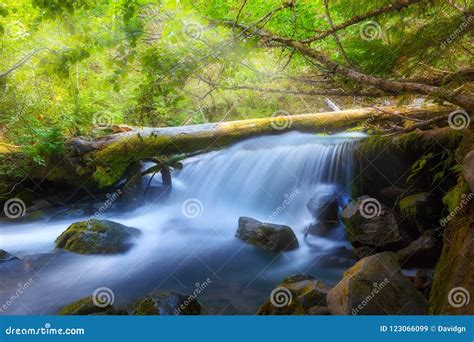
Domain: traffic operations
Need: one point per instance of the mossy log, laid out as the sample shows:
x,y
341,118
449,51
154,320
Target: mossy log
x,y
108,157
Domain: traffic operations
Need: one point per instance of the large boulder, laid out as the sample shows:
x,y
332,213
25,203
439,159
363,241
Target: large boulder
x,y
5,256
423,252
167,303
86,306
97,237
299,294
268,236
375,285
372,224
323,205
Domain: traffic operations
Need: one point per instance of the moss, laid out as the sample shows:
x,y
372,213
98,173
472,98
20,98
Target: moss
x,y
84,306
96,237
454,196
454,267
146,307
416,210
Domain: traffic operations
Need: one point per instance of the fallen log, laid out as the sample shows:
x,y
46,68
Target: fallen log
x,y
108,157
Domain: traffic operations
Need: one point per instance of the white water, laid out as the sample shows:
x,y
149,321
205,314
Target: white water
x,y
267,178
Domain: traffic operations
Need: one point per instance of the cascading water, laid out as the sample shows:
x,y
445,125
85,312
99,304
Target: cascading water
x,y
191,237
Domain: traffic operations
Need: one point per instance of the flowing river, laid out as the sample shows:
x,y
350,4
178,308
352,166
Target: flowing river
x,y
190,237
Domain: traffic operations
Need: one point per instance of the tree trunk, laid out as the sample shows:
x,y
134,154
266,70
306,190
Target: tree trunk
x,y
108,157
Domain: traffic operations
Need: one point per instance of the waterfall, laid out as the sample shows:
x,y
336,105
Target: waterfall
x,y
191,236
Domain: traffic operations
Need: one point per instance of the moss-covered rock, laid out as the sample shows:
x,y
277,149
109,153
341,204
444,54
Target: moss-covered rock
x,y
296,295
86,306
375,285
97,237
268,236
167,303
454,270
370,223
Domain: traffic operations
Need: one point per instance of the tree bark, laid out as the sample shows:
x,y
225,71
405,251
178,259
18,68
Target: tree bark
x,y
108,157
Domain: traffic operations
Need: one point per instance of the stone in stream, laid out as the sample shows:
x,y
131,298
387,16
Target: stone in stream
x,y
323,205
5,256
97,237
375,285
167,303
268,236
371,224
299,294
86,306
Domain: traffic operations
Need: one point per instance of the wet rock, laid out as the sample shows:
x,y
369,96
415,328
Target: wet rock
x,y
468,169
167,303
423,252
420,210
5,256
296,295
268,236
370,223
375,285
86,306
323,205
97,237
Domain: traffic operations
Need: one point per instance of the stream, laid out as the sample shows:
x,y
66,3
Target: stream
x,y
190,237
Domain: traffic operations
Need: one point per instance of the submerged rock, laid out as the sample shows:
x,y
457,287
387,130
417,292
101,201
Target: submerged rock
x,y
296,295
423,252
376,227
167,303
375,285
86,306
267,236
5,256
97,237
323,205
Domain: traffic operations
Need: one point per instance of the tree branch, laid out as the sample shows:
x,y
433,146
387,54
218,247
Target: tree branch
x,y
22,61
